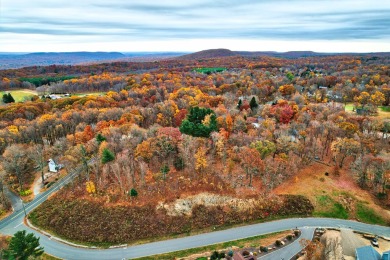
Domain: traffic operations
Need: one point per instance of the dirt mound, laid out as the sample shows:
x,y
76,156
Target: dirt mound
x,y
184,206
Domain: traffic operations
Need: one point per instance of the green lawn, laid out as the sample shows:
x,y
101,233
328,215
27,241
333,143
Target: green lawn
x,y
20,95
385,108
368,215
209,70
89,94
349,107
329,208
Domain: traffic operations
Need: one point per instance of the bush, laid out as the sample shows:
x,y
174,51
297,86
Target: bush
x,y
25,192
263,249
245,253
278,242
133,193
178,163
214,255
381,195
296,232
289,237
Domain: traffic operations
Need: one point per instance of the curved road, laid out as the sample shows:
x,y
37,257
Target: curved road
x,y
14,223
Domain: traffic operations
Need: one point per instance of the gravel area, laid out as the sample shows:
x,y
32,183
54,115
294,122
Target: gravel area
x,y
350,241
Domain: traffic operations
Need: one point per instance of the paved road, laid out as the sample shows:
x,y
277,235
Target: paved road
x,y
15,200
69,252
14,223
292,249
350,241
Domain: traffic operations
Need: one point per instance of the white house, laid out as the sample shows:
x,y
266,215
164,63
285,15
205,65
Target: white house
x,y
52,166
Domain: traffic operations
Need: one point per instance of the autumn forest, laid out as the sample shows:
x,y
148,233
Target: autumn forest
x,y
180,145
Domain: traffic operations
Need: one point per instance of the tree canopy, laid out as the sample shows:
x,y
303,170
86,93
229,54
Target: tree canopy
x,y
200,122
22,246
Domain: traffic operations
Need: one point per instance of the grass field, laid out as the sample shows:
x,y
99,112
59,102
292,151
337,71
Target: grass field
x,y
210,70
383,111
20,95
89,94
368,215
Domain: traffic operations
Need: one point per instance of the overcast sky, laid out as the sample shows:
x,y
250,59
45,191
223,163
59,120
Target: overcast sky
x,y
193,25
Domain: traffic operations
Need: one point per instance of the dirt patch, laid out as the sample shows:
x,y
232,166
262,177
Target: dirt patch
x,y
184,206
313,183
350,241
332,245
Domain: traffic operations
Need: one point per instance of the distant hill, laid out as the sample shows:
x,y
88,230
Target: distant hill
x,y
19,60
207,54
215,53
10,60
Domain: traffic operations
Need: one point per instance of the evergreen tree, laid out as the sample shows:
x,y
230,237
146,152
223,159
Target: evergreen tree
x,y
164,170
5,98
133,193
100,138
253,104
107,156
200,122
22,246
10,98
239,104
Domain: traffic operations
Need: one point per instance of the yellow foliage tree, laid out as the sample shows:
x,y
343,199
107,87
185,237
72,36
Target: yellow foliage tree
x,y
201,160
90,187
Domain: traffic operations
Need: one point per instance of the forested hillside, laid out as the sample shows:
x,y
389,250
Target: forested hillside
x,y
162,131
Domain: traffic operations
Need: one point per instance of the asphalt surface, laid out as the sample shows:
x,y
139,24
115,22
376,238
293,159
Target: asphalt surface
x,y
292,249
350,241
14,223
15,200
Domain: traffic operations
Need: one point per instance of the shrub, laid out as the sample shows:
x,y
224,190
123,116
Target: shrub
x,y
289,237
178,163
381,195
296,232
230,253
25,192
133,193
263,249
245,253
278,242
214,255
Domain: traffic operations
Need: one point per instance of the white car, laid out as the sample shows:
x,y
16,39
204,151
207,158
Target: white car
x,y
374,242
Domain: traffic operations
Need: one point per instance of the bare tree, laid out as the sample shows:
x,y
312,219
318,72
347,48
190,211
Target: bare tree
x,y
37,154
17,162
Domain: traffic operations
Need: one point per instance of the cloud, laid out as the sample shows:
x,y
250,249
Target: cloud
x,y
122,21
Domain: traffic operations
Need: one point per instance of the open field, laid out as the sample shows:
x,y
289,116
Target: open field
x,y
336,197
89,94
383,111
20,95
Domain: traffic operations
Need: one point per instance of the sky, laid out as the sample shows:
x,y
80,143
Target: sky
x,y
194,25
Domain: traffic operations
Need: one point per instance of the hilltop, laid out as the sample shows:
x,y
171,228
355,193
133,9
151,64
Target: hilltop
x,y
208,54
